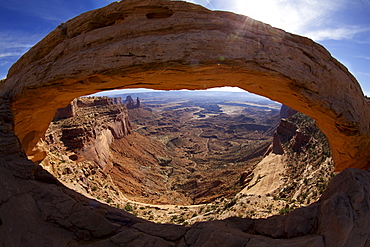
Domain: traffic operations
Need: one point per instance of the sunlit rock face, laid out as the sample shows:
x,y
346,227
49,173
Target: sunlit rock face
x,y
94,123
174,45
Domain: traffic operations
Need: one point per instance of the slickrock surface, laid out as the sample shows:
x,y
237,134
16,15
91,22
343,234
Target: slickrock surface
x,y
163,44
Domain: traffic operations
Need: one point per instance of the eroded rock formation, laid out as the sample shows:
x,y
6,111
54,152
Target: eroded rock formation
x,y
93,124
65,112
165,44
130,104
156,44
96,153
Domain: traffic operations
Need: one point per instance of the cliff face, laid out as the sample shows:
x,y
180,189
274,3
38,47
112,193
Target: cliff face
x,y
298,165
64,217
88,126
181,160
97,137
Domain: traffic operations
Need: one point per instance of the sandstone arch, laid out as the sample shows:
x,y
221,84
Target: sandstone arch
x,y
174,45
154,44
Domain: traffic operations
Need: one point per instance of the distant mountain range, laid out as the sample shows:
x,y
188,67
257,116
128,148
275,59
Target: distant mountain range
x,y
228,95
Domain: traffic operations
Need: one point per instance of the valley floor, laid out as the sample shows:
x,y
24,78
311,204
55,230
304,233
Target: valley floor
x,y
194,163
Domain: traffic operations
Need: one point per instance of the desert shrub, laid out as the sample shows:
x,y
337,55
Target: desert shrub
x,y
128,207
285,210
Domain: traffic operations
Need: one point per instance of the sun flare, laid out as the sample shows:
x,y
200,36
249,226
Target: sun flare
x,y
281,14
292,16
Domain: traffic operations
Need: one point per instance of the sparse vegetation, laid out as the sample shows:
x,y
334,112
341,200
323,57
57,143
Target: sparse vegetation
x,y
128,207
285,210
312,158
308,171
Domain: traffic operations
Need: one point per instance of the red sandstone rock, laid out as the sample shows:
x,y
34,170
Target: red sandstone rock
x,y
277,148
287,111
300,139
65,112
90,133
130,104
155,43
37,207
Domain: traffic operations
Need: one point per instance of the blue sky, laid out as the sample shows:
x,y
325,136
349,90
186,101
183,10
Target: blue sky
x,y
341,26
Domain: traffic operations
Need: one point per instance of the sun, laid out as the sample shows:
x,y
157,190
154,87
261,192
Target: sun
x,y
278,13
299,17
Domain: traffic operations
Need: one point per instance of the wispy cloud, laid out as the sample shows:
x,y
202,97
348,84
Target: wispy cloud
x,y
51,10
11,54
290,15
16,43
316,19
367,74
364,57
12,46
340,33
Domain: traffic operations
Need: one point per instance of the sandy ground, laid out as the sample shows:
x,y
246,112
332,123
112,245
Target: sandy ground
x,y
267,176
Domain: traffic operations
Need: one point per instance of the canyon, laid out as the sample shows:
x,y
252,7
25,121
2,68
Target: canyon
x,y
121,45
189,157
175,142
153,44
175,151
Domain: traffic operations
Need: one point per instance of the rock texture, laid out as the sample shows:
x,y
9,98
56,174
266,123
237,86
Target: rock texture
x,y
155,43
299,169
277,148
90,127
65,112
286,111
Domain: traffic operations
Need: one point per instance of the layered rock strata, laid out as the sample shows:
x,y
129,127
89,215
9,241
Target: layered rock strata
x,y
153,44
130,104
88,126
96,153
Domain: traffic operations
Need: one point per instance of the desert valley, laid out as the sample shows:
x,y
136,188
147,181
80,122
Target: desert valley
x,y
187,156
